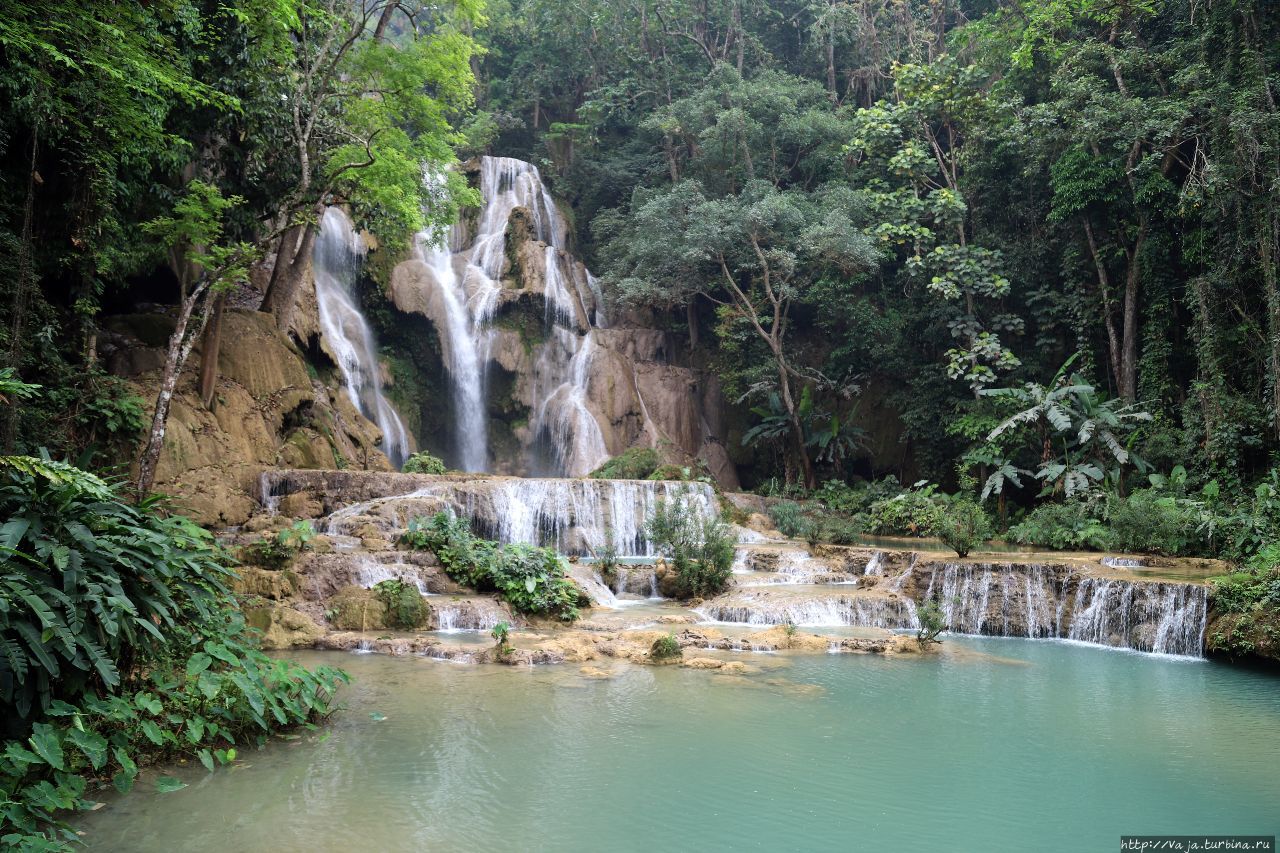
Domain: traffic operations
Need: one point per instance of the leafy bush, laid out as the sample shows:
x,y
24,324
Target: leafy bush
x,y
914,512
120,646
423,462
1151,521
841,530
1067,525
634,463
963,525
666,648
500,633
405,609
532,579
788,517
280,550
699,546
838,496
932,622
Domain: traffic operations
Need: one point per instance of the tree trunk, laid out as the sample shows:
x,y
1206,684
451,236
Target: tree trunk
x,y
209,349
1129,355
292,262
383,21
1104,287
180,344
691,317
797,428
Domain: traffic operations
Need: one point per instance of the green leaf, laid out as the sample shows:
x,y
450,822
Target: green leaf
x,y
168,784
92,744
198,663
47,745
206,759
153,733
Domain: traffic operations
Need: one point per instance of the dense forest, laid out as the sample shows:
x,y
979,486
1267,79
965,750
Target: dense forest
x,y
867,216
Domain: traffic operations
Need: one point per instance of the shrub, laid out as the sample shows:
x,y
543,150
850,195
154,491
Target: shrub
x,y
1067,525
120,645
912,513
666,648
532,579
788,517
634,463
699,546
840,497
500,633
963,526
1150,521
932,622
841,530
405,608
280,550
423,462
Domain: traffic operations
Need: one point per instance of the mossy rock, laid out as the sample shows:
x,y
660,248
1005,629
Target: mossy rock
x,y
282,627
634,463
356,609
268,584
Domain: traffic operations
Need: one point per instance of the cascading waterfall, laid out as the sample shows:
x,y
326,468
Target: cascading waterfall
x,y
336,261
468,278
573,516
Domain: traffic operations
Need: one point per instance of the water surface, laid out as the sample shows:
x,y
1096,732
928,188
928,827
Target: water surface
x,y
996,745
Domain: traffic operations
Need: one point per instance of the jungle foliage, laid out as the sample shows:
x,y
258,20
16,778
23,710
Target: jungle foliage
x,y
120,645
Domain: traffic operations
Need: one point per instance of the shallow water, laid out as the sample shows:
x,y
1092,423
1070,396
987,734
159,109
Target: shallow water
x,y
995,745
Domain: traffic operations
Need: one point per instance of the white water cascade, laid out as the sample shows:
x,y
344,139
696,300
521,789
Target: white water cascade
x,y
1012,600
468,278
336,260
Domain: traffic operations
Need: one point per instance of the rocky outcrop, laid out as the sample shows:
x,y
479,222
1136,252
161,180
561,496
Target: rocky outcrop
x,y
268,411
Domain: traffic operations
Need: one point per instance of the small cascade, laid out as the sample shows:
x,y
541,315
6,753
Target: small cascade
x,y
370,573
875,565
1122,563
812,610
336,261
467,614
572,516
1016,600
590,582
1165,618
270,491
636,579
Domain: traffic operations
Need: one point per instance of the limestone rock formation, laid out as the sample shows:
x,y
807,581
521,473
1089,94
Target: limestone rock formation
x,y
268,411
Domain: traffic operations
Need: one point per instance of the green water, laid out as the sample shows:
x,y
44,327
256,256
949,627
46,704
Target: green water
x,y
997,745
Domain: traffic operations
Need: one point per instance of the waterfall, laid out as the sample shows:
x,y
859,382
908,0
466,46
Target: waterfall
x,y
1012,600
336,261
465,339
370,573
467,614
573,516
468,278
812,610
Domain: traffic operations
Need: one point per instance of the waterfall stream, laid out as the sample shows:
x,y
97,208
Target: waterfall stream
x,y
336,260
468,275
